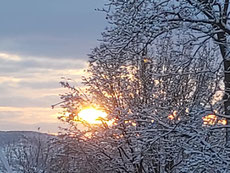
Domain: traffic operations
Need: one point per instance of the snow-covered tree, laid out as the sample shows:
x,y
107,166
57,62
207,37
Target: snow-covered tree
x,y
143,21
32,154
155,98
161,68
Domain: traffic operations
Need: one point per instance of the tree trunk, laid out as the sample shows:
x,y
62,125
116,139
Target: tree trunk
x,y
227,97
223,49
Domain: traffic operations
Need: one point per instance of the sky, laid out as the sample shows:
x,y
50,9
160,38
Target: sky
x,y
41,42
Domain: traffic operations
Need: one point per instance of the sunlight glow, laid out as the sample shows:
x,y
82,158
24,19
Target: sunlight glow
x,y
173,115
212,120
92,115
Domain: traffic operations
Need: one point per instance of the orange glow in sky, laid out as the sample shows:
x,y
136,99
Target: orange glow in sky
x,y
92,115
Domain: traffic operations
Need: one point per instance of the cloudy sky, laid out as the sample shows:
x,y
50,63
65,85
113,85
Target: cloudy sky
x,y
40,42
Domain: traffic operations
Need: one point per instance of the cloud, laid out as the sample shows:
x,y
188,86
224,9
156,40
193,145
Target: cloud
x,y
40,42
42,126
14,118
20,101
32,74
15,63
56,29
5,115
9,57
39,84
29,115
62,48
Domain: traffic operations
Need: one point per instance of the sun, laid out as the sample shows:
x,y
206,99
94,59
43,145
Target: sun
x,y
92,115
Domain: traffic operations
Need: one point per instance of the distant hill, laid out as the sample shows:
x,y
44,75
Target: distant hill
x,y
8,137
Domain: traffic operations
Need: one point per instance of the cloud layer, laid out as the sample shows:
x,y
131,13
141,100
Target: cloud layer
x,y
29,86
41,42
